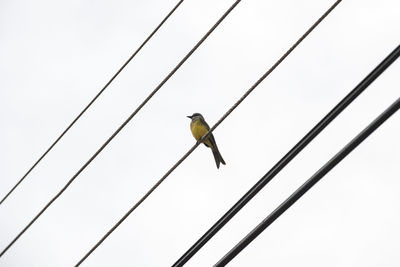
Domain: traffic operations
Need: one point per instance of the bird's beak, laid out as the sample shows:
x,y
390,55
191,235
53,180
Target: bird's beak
x,y
189,117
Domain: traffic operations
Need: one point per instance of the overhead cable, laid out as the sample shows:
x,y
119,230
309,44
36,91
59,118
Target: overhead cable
x,y
289,156
212,129
92,101
309,183
123,124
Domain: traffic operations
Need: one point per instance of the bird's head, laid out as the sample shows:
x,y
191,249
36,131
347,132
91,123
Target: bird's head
x,y
195,116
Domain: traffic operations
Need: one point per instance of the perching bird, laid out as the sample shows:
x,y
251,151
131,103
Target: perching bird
x,y
199,128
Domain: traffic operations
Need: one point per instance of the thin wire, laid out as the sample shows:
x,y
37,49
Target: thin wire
x,y
124,124
93,100
310,183
208,133
289,156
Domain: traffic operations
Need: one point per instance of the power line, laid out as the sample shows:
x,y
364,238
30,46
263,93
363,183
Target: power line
x,y
289,156
209,132
123,124
93,100
310,183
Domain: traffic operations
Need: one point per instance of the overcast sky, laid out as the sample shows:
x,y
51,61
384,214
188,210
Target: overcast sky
x,y
56,55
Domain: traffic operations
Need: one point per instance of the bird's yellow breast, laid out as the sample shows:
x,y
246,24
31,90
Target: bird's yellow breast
x,y
198,130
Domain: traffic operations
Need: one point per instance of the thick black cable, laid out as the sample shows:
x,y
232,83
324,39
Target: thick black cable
x,y
93,100
124,123
289,156
212,129
310,183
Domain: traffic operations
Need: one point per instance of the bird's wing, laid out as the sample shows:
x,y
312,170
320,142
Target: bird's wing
x,y
205,123
210,137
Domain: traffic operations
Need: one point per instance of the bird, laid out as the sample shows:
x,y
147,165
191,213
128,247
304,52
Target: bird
x,y
199,128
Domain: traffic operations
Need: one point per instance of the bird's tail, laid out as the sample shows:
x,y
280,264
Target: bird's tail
x,y
217,156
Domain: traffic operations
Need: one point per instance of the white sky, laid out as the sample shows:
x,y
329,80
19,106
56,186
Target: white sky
x,y
56,55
